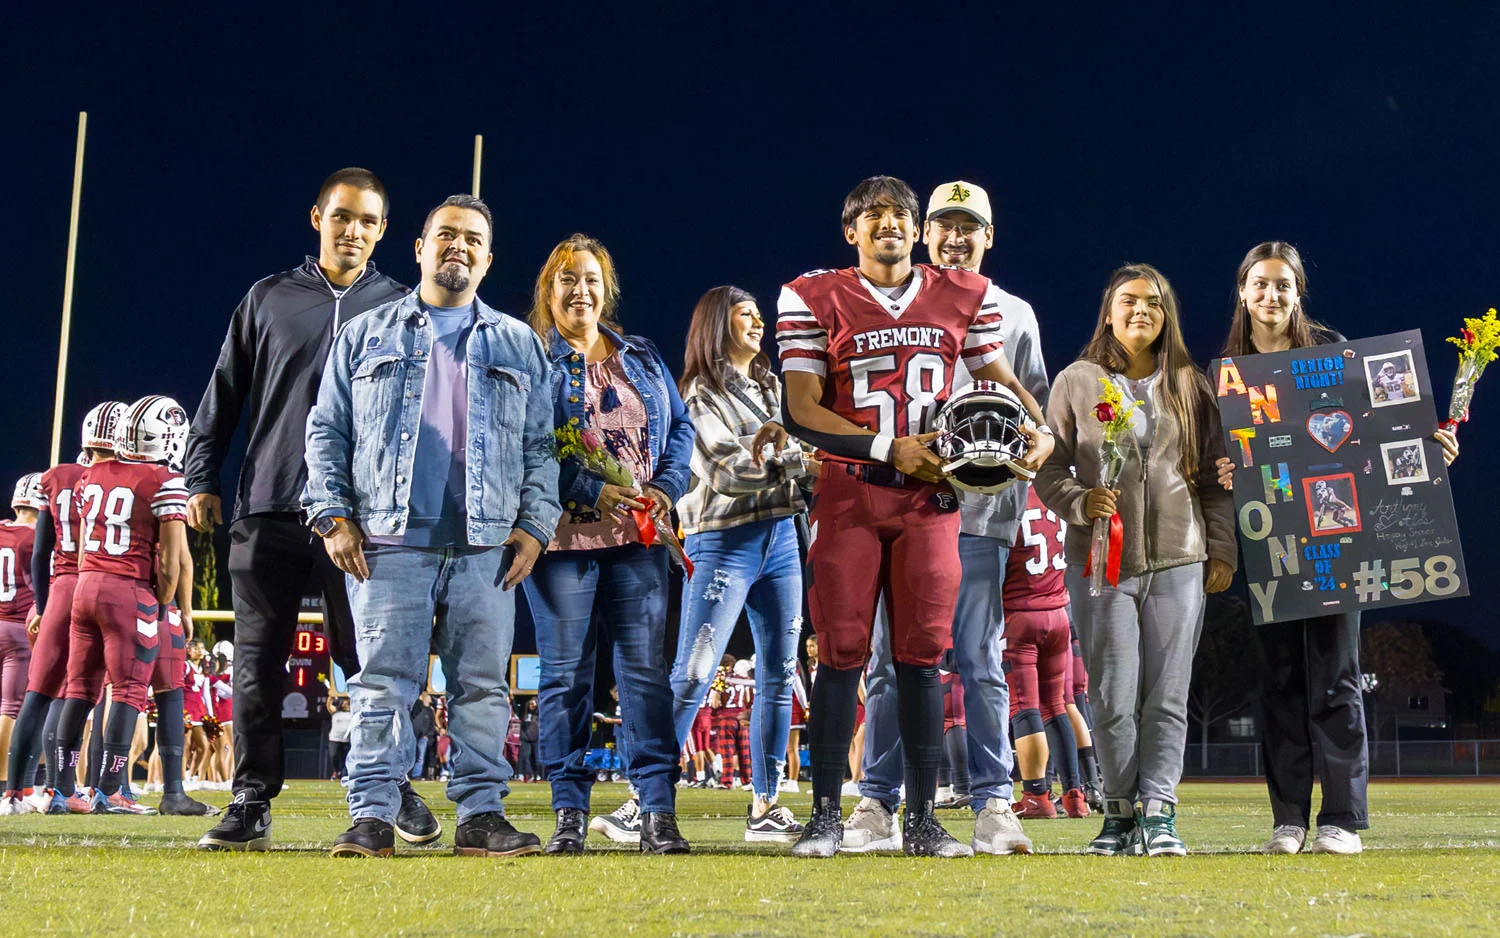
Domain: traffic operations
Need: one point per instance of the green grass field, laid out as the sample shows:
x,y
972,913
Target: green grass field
x,y
1431,867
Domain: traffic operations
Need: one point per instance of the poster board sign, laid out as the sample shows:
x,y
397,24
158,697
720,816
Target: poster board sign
x,y
1340,492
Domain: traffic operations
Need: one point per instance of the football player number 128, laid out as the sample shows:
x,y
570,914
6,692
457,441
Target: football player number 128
x,y
925,380
117,507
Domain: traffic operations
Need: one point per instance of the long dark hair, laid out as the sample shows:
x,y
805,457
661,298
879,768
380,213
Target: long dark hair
x,y
1304,330
708,344
1183,386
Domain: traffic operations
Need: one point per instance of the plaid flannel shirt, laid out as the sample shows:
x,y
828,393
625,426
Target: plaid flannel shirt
x,y
728,489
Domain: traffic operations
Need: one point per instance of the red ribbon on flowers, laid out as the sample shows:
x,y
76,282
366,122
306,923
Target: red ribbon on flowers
x,y
648,530
1112,559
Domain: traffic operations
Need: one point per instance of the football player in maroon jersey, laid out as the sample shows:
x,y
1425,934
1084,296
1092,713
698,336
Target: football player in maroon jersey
x,y
133,553
16,539
54,574
868,355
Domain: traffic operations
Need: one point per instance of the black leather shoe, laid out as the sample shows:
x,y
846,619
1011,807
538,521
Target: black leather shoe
x,y
415,822
568,837
491,835
367,838
178,804
246,825
659,833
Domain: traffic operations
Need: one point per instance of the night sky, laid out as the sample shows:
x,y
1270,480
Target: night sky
x,y
716,147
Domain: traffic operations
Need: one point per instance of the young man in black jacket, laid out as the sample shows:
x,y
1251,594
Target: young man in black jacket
x,y
268,371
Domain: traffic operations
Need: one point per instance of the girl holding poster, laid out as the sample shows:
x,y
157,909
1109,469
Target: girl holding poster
x,y
1176,539
1309,668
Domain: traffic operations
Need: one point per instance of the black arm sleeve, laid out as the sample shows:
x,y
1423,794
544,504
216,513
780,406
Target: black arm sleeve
x,y
41,558
848,445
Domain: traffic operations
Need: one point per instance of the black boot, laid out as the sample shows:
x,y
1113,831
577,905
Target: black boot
x,y
491,835
659,833
246,826
568,837
923,836
415,821
824,831
368,837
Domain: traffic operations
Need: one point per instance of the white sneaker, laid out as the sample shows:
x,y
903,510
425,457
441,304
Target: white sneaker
x,y
851,789
1285,839
622,825
153,788
38,801
787,787
998,831
1331,839
871,828
944,793
11,805
192,784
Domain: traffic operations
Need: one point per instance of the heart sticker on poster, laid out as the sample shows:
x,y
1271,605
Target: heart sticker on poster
x,y
1330,429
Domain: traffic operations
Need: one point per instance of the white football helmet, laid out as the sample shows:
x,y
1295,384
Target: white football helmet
x,y
979,438
154,430
28,492
101,425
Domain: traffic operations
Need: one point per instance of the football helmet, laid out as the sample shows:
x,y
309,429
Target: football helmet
x,y
153,430
101,425
28,492
979,438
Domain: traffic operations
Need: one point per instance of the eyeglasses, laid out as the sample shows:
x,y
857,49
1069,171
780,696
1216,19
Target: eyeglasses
x,y
963,231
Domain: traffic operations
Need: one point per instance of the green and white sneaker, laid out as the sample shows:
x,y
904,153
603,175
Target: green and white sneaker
x,y
1121,835
1158,825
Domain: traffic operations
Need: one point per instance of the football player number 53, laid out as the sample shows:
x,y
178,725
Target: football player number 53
x,y
1037,565
925,380
116,506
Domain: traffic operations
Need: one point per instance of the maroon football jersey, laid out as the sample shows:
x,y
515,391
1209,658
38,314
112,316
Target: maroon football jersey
x,y
121,506
58,485
738,692
1034,573
15,570
888,363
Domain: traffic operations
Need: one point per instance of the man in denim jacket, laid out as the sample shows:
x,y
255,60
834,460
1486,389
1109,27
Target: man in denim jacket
x,y
432,483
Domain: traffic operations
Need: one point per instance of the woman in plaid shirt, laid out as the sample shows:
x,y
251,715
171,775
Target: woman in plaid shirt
x,y
738,516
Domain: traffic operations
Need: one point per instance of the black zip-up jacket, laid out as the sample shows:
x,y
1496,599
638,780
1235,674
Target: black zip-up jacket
x,y
270,368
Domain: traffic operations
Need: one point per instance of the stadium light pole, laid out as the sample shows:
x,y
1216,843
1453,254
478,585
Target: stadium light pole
x,y
67,307
478,158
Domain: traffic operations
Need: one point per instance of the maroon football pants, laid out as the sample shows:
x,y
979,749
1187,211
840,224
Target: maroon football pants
x,y
113,636
1039,654
49,656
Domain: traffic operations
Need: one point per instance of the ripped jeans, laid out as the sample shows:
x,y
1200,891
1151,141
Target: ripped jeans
x,y
393,625
755,567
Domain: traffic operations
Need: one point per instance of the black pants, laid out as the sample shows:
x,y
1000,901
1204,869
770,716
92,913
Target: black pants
x,y
273,561
1310,697
530,764
337,752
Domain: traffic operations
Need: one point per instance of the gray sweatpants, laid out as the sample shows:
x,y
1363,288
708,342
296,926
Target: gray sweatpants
x,y
1138,642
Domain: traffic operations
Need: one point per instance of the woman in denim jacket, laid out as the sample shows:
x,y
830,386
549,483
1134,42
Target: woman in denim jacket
x,y
618,387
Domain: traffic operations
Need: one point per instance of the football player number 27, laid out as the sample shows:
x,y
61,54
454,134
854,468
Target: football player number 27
x,y
925,380
1037,565
116,507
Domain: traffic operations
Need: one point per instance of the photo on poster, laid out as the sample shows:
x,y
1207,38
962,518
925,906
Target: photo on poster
x,y
1332,504
1392,379
1330,429
1405,462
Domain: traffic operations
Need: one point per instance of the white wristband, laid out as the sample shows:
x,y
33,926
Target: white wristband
x,y
880,447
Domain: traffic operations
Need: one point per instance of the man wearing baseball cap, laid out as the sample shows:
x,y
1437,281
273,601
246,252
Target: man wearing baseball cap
x,y
958,231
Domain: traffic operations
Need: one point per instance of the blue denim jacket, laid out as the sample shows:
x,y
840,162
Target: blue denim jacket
x,y
669,431
362,433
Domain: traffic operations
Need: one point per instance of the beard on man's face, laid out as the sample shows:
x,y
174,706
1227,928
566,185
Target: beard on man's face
x,y
451,277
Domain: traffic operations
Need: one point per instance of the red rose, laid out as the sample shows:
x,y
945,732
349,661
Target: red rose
x,y
1468,336
590,439
1105,411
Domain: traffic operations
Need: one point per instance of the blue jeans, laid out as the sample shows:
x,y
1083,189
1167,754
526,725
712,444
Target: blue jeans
x,y
629,584
755,567
418,764
978,646
393,627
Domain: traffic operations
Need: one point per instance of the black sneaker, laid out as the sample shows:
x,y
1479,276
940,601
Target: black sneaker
x,y
179,804
246,826
415,821
659,833
776,825
823,833
368,837
491,835
569,835
923,836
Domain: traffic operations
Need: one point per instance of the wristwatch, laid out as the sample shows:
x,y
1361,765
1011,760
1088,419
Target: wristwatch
x,y
324,526
1043,428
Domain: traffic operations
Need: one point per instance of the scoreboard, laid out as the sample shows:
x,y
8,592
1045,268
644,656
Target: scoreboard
x,y
309,670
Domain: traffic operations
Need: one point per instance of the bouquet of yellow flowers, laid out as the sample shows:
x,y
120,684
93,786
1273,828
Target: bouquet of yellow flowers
x,y
1115,413
1477,343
